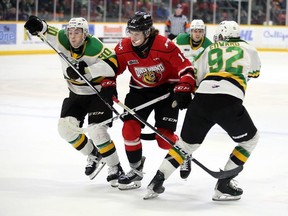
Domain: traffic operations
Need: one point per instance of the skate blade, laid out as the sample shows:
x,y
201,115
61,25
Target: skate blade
x,y
150,195
184,175
97,170
131,186
218,196
114,183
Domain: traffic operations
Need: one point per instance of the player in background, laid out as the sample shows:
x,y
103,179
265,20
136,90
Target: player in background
x,y
223,69
191,45
195,42
98,64
157,67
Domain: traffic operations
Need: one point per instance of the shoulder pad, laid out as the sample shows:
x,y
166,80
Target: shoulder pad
x,y
182,38
162,43
124,45
94,46
62,37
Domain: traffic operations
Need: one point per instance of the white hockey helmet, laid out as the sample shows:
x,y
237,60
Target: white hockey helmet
x,y
226,30
79,22
197,24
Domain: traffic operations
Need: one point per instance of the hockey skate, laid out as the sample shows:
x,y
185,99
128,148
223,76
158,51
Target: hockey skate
x,y
114,173
227,190
185,168
156,186
132,179
95,163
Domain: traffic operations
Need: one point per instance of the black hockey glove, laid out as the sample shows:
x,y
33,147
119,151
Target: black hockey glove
x,y
34,25
182,95
108,90
80,66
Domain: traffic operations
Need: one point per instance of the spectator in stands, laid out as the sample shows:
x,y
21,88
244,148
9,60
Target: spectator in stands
x,y
1,12
26,8
11,14
162,12
6,8
275,11
44,14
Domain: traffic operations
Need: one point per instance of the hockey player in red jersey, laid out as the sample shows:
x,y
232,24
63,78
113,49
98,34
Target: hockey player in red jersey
x,y
157,67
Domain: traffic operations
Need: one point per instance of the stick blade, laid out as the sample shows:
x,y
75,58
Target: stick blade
x,y
229,173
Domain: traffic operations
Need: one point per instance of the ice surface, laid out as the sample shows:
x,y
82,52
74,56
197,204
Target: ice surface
x,y
41,175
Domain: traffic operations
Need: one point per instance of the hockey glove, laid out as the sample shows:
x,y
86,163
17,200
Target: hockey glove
x,y
80,66
108,89
182,95
35,25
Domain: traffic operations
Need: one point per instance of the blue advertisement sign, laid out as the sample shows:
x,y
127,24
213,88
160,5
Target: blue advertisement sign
x,y
8,34
246,35
276,34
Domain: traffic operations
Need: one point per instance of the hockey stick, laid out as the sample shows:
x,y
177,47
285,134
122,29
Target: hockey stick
x,y
94,126
218,175
152,136
142,106
148,136
221,174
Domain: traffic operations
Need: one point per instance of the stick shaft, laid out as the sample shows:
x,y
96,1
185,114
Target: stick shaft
x,y
142,106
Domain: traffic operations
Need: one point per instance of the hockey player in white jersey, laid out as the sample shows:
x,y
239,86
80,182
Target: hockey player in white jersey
x,y
191,44
98,65
223,69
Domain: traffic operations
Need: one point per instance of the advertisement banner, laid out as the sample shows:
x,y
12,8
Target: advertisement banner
x,y
15,39
275,37
8,34
111,33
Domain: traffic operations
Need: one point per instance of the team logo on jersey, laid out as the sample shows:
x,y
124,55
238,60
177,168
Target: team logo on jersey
x,y
131,62
150,75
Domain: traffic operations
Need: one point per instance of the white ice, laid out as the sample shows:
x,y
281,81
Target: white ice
x,y
41,175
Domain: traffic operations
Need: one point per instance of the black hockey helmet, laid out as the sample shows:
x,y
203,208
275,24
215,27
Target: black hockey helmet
x,y
141,21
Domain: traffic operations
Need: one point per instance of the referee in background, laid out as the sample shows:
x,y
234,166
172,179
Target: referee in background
x,y
176,23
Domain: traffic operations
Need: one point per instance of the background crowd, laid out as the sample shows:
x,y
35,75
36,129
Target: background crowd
x,y
272,12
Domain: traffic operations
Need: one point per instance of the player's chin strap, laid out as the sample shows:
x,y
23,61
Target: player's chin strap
x,y
219,175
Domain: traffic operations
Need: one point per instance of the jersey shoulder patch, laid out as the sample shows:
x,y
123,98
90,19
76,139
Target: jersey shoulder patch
x,y
163,44
206,42
123,46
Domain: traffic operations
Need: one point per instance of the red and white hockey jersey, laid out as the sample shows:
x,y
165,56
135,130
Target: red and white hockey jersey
x,y
164,64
